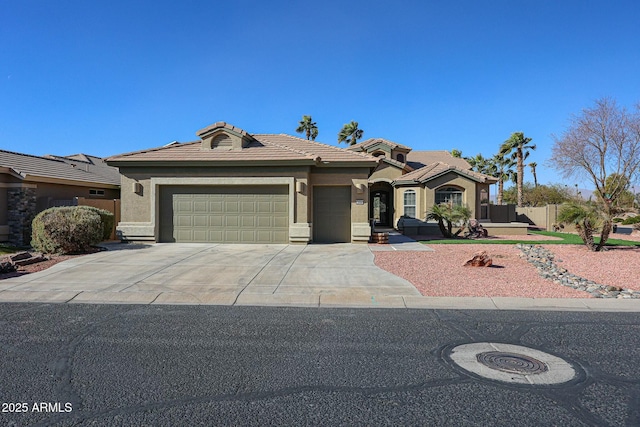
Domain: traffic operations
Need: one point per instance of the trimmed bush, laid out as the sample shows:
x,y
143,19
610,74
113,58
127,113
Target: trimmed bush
x,y
616,220
632,220
66,230
107,219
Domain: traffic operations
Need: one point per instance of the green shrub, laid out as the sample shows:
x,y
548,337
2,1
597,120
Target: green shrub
x,y
616,220
107,219
65,230
632,220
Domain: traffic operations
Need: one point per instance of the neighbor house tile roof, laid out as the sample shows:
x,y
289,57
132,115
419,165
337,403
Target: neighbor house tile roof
x,y
263,147
80,167
418,159
434,170
373,141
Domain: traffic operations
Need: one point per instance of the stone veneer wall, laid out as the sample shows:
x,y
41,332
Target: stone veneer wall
x,y
21,209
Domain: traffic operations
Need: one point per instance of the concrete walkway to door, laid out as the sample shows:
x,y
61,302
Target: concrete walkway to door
x,y
175,273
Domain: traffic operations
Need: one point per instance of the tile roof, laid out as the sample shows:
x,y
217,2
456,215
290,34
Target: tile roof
x,y
264,147
418,159
433,170
373,141
79,167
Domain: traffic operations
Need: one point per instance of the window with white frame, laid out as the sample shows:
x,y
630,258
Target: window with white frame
x,y
452,195
410,203
96,192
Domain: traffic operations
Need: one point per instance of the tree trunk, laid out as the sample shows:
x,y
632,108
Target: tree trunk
x,y
586,234
520,178
500,190
604,234
442,228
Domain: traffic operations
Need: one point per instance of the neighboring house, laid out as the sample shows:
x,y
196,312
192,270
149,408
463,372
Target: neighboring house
x,y
30,184
406,184
234,187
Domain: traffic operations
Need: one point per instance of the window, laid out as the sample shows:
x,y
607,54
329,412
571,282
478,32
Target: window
x,y
451,195
400,157
410,203
94,192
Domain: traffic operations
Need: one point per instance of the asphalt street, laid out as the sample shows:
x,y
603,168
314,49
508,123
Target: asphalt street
x,y
122,365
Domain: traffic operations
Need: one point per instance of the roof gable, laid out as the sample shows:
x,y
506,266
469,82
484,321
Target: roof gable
x,y
255,148
223,136
434,170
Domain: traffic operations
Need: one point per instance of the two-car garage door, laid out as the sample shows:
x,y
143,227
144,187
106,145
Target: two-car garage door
x,y
224,214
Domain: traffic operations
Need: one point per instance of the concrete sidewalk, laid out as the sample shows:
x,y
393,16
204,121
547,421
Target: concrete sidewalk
x,y
337,275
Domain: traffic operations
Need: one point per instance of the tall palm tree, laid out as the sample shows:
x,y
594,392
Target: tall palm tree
x,y
503,170
308,126
519,148
533,166
350,133
479,163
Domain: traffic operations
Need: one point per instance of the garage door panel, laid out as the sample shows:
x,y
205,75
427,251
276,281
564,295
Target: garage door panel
x,y
246,214
248,207
184,221
200,206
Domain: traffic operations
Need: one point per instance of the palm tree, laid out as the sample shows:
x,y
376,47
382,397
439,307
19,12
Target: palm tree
x,y
308,126
449,215
350,133
503,170
456,153
479,163
519,150
533,166
585,219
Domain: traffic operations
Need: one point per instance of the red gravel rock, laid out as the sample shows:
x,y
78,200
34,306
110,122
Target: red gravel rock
x,y
618,266
439,273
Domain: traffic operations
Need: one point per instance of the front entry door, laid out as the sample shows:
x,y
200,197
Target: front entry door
x,y
380,207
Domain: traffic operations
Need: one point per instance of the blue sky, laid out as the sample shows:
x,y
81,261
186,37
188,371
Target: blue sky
x,y
106,77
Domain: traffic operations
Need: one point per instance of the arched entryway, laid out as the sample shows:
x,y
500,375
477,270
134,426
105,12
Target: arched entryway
x,y
381,204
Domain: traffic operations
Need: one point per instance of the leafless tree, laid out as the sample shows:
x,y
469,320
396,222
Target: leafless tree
x,y
603,144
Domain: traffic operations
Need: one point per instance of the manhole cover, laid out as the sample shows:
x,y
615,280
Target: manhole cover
x,y
512,362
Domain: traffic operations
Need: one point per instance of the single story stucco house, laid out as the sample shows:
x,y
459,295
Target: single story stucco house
x,y
235,187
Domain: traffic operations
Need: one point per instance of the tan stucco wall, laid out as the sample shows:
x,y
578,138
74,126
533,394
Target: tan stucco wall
x,y
137,207
470,195
46,192
385,172
426,195
398,202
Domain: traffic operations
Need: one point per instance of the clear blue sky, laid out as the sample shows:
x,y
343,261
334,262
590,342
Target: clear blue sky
x,y
106,77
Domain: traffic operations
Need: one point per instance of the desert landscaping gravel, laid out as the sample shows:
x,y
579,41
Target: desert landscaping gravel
x,y
619,266
441,273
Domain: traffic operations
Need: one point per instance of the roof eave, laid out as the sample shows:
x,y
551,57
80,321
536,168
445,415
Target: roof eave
x,y
64,181
191,163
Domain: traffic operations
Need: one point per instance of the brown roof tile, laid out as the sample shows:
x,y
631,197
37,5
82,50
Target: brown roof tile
x,y
417,159
436,169
79,167
267,147
372,141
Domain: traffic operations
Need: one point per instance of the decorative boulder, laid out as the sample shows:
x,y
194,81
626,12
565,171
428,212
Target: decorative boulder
x,y
480,259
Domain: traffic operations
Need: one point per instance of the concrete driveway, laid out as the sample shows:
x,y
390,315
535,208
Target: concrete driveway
x,y
306,275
